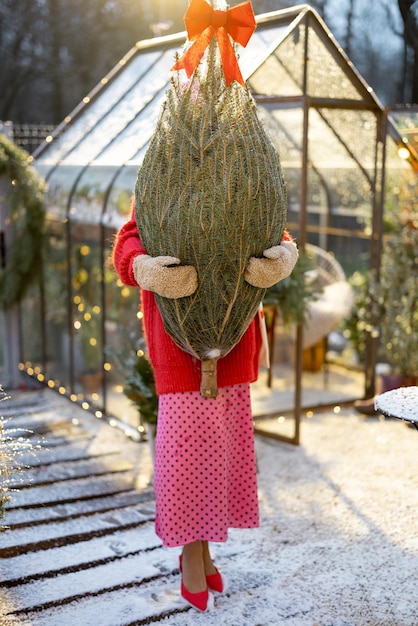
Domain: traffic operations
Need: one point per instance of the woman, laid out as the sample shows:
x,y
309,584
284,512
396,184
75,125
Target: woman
x,y
205,467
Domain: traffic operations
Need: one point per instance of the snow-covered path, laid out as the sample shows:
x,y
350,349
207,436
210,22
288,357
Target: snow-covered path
x,y
337,544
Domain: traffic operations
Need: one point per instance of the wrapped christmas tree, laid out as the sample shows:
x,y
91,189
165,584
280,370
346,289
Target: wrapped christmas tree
x,y
210,190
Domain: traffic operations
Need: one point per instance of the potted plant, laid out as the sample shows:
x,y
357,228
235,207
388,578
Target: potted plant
x,y
139,382
385,306
140,389
395,297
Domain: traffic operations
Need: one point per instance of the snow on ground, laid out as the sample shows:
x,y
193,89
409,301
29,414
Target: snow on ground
x,y
337,545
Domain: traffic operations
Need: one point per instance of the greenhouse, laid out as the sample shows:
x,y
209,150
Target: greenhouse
x,y
344,168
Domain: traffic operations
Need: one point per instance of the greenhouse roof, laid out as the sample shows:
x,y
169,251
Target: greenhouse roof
x,y
292,60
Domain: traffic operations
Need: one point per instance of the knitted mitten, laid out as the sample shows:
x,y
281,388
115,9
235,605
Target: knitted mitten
x,y
277,263
156,274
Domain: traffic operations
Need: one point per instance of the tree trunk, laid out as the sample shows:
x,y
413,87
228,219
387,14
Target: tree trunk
x,y
55,64
410,18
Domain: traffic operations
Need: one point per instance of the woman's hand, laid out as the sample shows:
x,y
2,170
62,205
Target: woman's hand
x,y
276,264
157,274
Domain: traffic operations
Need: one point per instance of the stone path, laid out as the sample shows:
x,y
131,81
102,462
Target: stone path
x,y
79,522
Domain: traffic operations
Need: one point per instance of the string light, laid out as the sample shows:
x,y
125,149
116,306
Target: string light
x,y
81,401
403,153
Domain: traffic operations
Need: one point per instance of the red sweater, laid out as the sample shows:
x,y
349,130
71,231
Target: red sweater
x,y
174,369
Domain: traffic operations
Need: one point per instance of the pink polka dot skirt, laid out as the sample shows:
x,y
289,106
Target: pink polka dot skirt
x,y
205,468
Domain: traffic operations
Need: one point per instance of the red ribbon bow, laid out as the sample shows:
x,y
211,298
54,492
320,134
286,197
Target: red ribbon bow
x,y
203,23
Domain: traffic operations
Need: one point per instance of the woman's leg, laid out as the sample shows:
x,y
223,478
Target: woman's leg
x,y
193,569
210,569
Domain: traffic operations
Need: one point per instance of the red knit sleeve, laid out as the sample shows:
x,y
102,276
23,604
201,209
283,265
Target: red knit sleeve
x,y
127,246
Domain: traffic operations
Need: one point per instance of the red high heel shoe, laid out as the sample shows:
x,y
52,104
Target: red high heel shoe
x,y
198,600
215,582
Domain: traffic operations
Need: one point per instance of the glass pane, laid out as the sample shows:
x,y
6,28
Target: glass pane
x,y
123,332
326,78
401,188
59,189
354,130
282,71
284,126
58,341
87,309
31,329
339,206
339,215
341,174
88,197
407,124
109,127
261,43
137,72
341,153
118,208
134,136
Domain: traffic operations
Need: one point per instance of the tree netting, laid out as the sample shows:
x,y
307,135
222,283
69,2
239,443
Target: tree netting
x,y
210,191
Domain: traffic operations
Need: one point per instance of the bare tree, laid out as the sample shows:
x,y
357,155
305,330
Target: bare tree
x,y
350,26
409,12
52,52
21,52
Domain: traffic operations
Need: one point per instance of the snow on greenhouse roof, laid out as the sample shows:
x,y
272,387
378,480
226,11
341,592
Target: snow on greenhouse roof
x,y
91,160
